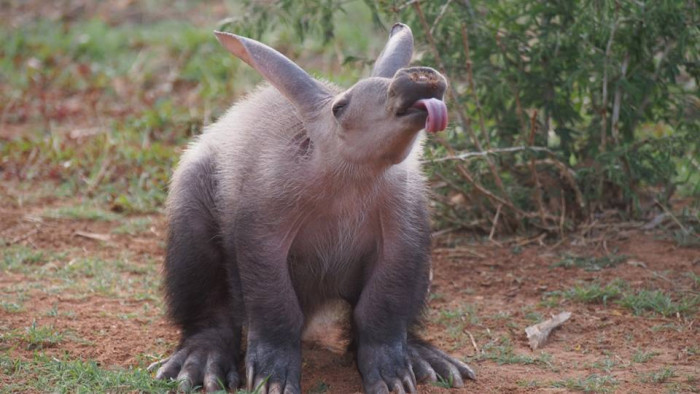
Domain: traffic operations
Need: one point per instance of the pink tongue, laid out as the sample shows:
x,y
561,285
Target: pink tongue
x,y
437,114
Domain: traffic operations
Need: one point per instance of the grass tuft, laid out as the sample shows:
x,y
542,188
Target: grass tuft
x,y
641,301
11,307
134,226
502,352
589,263
81,212
595,293
656,301
64,375
39,337
19,258
641,356
590,384
660,376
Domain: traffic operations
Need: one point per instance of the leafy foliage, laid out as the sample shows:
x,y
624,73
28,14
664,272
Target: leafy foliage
x,y
564,109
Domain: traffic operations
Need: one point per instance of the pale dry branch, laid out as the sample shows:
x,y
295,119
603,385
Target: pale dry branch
x,y
604,98
471,337
466,175
495,222
669,213
537,334
467,155
443,9
617,102
93,236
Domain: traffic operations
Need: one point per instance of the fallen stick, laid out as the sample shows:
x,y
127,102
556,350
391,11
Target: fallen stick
x,y
537,334
476,348
95,236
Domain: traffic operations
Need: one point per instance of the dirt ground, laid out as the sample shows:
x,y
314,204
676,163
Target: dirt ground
x,y
496,286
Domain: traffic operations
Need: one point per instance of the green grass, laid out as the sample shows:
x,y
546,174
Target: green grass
x,y
11,307
533,316
461,313
502,352
695,278
134,226
65,375
127,163
12,298
117,171
436,296
502,315
112,278
590,384
34,337
590,263
26,260
455,321
61,53
529,383
662,375
594,293
443,382
79,274
620,293
551,299
641,356
81,212
656,301
606,364
39,337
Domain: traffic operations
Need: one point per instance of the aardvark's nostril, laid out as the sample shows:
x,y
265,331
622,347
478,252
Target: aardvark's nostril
x,y
414,83
423,75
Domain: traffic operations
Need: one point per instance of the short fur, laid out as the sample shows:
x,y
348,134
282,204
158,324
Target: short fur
x,y
280,207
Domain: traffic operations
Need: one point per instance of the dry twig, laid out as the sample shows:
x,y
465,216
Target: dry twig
x,y
468,155
94,236
476,348
537,334
495,222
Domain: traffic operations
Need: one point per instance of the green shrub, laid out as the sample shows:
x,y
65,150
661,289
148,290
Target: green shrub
x,y
563,109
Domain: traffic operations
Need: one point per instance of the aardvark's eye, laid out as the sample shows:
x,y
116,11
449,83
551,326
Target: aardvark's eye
x,y
339,107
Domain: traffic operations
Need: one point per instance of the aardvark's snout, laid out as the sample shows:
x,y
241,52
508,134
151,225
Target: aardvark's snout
x,y
418,92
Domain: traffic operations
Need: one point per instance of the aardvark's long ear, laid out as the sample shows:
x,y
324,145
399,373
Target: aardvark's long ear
x,y
293,82
397,52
